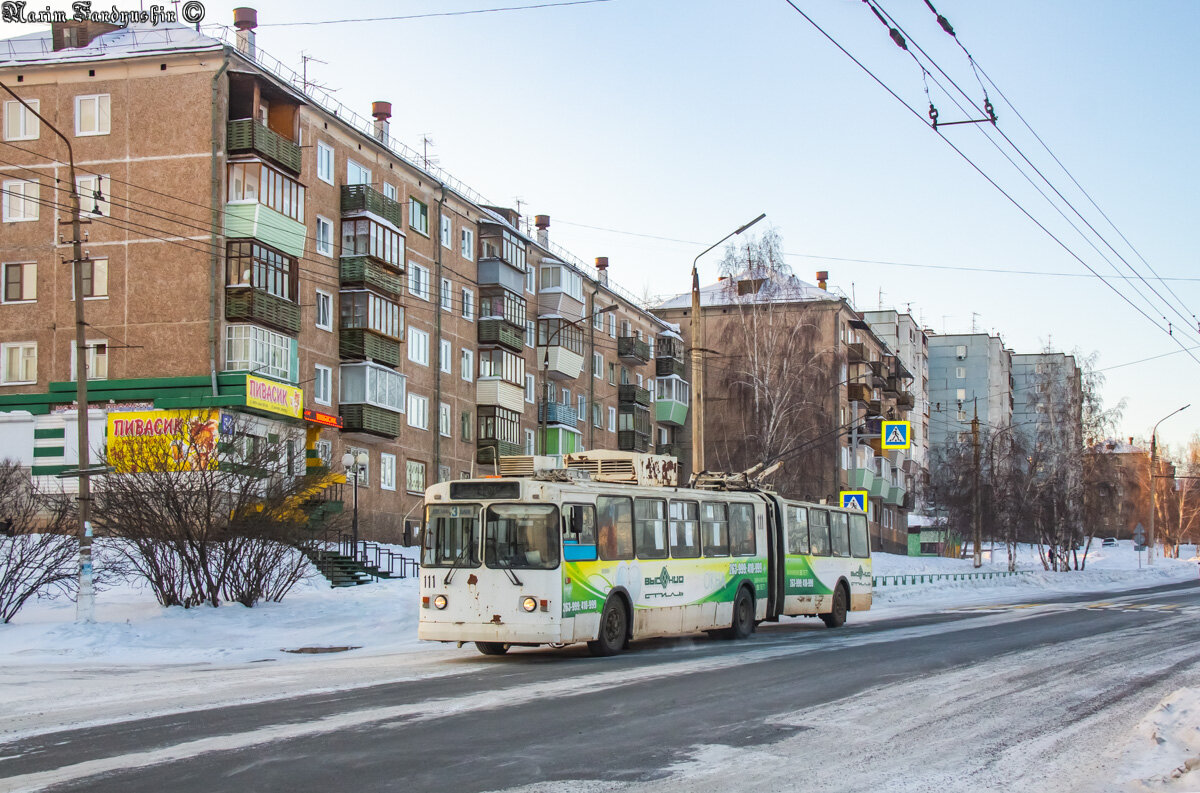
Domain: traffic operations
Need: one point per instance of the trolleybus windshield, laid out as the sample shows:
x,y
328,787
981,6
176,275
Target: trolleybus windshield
x,y
522,536
451,536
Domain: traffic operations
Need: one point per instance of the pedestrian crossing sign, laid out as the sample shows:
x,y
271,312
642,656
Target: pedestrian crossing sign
x,y
854,499
897,435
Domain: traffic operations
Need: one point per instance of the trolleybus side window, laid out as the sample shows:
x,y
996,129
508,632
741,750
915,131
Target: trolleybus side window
x,y
860,545
579,532
615,527
685,532
714,529
451,536
818,532
797,531
840,533
650,528
741,529
522,536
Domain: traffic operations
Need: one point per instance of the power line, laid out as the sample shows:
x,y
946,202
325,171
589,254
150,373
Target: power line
x,y
435,14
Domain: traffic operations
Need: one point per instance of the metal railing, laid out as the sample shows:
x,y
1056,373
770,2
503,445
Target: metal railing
x,y
377,559
911,579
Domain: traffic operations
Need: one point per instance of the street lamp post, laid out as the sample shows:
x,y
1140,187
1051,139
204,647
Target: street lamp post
x,y
697,338
544,407
1153,468
354,464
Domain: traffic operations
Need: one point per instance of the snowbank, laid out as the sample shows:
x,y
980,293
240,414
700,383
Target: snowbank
x,y
1163,752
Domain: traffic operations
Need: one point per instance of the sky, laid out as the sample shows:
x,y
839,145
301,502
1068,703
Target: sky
x,y
650,129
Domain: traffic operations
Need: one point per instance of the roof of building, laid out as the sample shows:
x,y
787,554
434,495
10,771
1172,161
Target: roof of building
x,y
775,288
137,39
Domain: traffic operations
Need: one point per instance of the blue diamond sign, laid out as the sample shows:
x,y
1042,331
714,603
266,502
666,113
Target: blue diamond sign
x,y
896,435
854,499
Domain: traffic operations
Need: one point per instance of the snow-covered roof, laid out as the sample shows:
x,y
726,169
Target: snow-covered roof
x,y
136,40
1119,446
775,289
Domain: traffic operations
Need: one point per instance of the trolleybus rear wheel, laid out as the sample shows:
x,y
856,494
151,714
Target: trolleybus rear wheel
x,y
837,617
613,629
492,648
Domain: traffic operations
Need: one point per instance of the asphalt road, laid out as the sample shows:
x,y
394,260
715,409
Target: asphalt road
x,y
556,716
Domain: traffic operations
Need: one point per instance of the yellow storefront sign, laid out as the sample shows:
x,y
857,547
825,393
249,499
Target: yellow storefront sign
x,y
163,440
273,397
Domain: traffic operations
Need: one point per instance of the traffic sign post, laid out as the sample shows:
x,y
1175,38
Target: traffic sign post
x,y
1139,542
854,499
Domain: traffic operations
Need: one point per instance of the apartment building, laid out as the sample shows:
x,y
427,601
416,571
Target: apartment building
x,y
257,249
833,380
1047,399
905,336
969,374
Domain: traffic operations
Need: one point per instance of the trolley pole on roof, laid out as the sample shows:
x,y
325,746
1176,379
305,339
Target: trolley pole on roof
x,y
697,339
85,603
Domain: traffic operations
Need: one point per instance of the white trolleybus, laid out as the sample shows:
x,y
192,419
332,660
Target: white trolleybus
x,y
559,557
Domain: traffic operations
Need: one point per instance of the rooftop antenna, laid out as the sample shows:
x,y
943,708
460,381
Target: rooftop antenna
x,y
426,142
881,298
304,59
974,321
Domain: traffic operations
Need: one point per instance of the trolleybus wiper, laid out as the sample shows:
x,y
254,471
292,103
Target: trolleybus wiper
x,y
507,570
462,555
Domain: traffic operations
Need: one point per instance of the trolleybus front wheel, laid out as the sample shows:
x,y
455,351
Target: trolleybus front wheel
x,y
614,629
492,648
837,616
743,616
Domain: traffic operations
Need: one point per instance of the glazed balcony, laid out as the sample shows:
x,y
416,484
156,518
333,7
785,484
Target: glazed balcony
x,y
370,419
861,479
633,350
892,386
497,331
855,352
247,304
894,496
367,272
858,392
363,344
633,394
360,198
245,135
557,413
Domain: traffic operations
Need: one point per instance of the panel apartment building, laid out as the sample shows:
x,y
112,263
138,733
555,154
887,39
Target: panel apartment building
x,y
836,381
968,372
246,234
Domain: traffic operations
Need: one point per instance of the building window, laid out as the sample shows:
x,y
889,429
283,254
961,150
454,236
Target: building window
x,y
446,353
324,236
612,326
93,115
324,306
387,471
612,419
530,442
597,321
94,193
20,363
322,385
325,163
325,452
960,372
19,123
530,332
357,174
418,216
414,477
961,395
97,360
447,232
466,363
365,237
418,346
259,182
418,280
249,347
530,388
418,412
389,191
444,420
612,373
94,275
251,264
597,365
557,277
581,413
468,304
447,295
20,282
466,239
597,415
369,311
361,473
20,201
960,351
465,429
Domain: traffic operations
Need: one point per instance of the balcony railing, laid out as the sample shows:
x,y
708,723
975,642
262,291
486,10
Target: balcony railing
x,y
633,393
370,418
893,386
362,344
246,134
665,367
677,450
858,392
497,331
630,441
557,413
358,198
633,350
245,303
875,407
854,352
490,450
906,400
367,272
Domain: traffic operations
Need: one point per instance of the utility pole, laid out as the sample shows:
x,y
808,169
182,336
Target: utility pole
x,y
976,508
85,603
1153,467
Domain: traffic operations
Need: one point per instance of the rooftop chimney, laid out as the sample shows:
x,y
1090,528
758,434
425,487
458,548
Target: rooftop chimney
x,y
543,226
245,20
602,269
382,111
822,277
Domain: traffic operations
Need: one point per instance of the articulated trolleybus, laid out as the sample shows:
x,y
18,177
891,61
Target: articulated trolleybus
x,y
608,550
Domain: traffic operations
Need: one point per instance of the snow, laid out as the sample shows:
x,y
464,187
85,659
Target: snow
x,y
1163,752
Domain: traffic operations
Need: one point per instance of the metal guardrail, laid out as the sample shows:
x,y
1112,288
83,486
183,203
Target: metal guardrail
x,y
922,578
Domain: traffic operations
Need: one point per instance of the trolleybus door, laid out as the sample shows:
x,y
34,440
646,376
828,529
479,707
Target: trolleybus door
x,y
775,559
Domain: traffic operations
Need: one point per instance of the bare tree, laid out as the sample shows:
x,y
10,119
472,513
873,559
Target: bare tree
x,y
37,547
206,513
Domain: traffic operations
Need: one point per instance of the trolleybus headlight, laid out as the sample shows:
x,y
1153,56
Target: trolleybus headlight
x,y
440,601
529,603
